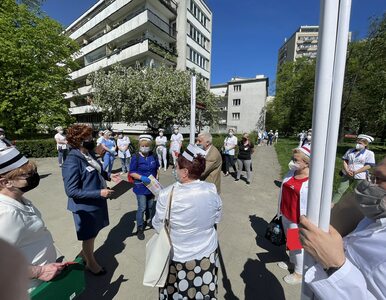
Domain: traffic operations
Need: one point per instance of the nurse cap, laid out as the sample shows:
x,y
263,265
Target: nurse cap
x,y
192,151
145,137
366,137
11,159
306,150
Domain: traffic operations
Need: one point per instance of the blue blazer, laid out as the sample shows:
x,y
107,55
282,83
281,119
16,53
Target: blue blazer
x,y
82,183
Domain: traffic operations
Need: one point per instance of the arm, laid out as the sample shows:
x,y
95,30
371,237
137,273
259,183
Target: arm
x,y
45,272
160,210
211,164
134,172
363,169
72,181
346,168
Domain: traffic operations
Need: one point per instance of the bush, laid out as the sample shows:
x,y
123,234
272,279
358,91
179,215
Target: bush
x,y
37,148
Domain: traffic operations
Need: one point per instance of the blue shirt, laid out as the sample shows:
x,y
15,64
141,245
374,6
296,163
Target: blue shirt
x,y
109,144
145,166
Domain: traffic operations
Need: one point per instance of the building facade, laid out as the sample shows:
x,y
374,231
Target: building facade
x,y
241,103
132,33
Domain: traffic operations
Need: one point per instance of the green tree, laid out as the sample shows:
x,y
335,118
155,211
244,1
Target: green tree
x,y
35,59
158,96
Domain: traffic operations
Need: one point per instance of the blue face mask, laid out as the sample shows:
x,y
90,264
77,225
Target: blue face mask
x,y
176,177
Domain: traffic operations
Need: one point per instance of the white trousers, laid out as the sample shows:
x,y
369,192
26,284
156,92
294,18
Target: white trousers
x,y
161,153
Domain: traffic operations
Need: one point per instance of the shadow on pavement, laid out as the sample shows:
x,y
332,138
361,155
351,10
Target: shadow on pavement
x,y
101,287
229,295
259,281
42,176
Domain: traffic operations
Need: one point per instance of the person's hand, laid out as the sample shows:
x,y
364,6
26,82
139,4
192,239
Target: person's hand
x,y
116,178
50,271
106,193
145,179
325,247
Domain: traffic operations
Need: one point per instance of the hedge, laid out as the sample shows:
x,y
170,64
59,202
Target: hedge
x,y
47,147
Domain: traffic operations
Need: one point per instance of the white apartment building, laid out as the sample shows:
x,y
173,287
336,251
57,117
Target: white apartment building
x,y
132,32
241,103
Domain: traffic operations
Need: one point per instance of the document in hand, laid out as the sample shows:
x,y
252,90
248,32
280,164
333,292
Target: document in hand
x,y
154,186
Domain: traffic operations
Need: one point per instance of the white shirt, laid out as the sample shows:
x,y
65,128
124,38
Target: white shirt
x,y
230,142
99,140
61,138
195,208
358,159
364,272
161,140
125,141
22,226
175,142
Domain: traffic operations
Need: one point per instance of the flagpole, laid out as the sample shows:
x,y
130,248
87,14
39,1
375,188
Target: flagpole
x,y
192,109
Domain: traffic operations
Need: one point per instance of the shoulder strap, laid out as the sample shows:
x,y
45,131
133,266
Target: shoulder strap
x,y
167,219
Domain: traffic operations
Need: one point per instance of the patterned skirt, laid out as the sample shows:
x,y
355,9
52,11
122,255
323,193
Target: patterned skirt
x,y
194,279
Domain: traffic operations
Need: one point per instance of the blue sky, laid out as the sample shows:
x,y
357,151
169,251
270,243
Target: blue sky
x,y
247,33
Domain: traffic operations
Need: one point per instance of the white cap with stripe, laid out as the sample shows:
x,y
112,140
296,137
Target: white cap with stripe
x,y
11,159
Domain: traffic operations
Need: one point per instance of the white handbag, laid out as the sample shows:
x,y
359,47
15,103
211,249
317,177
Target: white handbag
x,y
158,250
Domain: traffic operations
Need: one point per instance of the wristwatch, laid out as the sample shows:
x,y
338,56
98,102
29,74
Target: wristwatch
x,y
331,270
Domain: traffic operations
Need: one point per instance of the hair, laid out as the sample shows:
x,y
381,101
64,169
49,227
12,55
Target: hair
x,y
28,167
364,141
195,168
305,158
145,143
207,136
77,133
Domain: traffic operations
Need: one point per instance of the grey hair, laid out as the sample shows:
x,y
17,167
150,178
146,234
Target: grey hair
x,y
207,136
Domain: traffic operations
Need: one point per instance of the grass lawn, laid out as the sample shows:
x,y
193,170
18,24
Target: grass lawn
x,y
284,151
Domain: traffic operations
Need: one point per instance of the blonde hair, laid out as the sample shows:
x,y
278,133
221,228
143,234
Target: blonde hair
x,y
305,158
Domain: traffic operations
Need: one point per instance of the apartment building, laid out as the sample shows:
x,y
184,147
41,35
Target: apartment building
x,y
137,32
241,103
302,43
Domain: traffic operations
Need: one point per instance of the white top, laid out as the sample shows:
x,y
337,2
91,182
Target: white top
x,y
196,207
175,142
161,140
125,141
230,142
358,159
22,226
61,138
99,140
363,274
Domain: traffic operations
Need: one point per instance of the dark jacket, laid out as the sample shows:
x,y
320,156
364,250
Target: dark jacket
x,y
82,183
245,151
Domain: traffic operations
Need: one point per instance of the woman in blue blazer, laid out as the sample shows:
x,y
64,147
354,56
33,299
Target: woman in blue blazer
x,y
85,186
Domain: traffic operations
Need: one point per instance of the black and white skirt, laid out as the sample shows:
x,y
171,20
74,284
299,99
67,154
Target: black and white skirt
x,y
194,279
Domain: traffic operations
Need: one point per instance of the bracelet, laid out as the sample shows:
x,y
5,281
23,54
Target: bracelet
x,y
332,270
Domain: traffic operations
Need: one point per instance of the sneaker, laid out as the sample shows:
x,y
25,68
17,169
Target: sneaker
x,y
248,182
237,179
226,174
140,234
164,169
293,279
148,224
285,265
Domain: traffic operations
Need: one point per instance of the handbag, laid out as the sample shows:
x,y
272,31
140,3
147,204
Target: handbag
x,y
100,150
158,250
275,232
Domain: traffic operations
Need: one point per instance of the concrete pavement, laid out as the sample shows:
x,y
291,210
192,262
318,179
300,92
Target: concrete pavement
x,y
248,262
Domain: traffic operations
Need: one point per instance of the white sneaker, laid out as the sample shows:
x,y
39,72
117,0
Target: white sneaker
x,y
285,265
293,279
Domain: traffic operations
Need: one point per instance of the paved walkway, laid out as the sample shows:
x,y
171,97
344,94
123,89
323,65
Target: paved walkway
x,y
248,261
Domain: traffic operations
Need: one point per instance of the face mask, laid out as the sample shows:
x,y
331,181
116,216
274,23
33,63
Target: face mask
x,y
2,136
32,182
359,147
371,199
175,131
293,166
89,145
61,131
120,136
230,133
161,134
309,137
144,150
201,146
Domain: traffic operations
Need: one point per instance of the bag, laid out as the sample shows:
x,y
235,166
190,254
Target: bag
x,y
67,285
100,150
131,149
158,250
275,232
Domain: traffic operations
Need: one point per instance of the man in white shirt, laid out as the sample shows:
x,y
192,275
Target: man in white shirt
x,y
353,267
61,145
160,143
230,144
175,144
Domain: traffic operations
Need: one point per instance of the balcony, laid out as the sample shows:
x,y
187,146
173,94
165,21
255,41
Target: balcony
x,y
85,109
79,92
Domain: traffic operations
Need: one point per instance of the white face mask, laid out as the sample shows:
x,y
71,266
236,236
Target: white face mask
x,y
144,150
309,137
61,131
359,146
2,136
293,166
161,134
176,177
371,199
230,133
175,131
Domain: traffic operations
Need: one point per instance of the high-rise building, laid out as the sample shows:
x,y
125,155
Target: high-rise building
x,y
137,32
241,103
302,43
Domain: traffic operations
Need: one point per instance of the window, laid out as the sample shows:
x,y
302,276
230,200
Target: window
x,y
198,59
198,13
237,87
197,36
236,102
236,116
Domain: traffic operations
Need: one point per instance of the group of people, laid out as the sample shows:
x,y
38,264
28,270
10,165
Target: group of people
x,y
352,267
267,137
